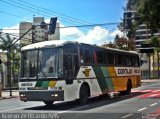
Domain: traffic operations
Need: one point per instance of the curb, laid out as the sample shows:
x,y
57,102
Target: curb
x,y
149,81
8,97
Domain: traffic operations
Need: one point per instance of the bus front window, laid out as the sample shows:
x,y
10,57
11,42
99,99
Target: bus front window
x,y
43,63
49,63
29,63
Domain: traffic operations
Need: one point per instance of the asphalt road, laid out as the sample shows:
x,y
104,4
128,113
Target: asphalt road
x,y
142,102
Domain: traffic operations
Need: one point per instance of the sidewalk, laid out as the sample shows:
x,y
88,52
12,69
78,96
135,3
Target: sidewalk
x,y
6,94
149,80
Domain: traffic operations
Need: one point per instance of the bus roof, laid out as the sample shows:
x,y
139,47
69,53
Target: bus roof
x,y
53,43
56,43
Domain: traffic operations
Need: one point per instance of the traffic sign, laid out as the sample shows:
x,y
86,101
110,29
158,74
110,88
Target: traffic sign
x,y
52,26
147,48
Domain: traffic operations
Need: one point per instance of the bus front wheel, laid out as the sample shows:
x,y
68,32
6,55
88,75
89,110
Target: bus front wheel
x,y
48,103
84,94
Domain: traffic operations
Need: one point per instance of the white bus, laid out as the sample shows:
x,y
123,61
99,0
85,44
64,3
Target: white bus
x,y
66,70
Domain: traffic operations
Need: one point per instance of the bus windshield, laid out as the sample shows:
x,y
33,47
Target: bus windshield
x,y
42,63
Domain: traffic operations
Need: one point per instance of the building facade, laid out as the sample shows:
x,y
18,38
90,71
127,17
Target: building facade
x,y
149,68
142,35
36,34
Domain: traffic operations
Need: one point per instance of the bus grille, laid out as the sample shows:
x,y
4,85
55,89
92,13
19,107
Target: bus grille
x,y
38,88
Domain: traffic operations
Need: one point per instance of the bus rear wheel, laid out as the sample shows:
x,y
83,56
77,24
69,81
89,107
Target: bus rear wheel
x,y
129,87
84,94
48,103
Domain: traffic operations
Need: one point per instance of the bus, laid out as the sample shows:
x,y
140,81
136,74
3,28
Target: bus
x,y
67,70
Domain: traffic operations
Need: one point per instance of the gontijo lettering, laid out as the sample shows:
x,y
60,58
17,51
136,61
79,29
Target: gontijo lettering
x,y
124,71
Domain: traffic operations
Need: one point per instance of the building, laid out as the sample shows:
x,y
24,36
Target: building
x,y
36,34
149,68
142,35
23,28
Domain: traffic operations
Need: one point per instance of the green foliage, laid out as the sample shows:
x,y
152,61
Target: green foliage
x,y
110,45
154,41
149,12
5,42
121,43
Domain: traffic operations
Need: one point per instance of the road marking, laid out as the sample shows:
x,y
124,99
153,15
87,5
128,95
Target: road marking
x,y
81,107
156,91
62,112
144,91
135,91
153,104
126,116
142,109
153,95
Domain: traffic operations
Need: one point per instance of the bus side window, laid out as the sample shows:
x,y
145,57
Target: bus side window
x,y
136,60
111,58
86,56
101,57
119,59
128,60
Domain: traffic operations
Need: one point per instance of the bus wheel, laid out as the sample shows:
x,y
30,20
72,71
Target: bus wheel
x,y
129,87
48,103
84,94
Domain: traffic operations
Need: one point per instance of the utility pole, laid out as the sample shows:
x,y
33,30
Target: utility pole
x,y
9,69
9,61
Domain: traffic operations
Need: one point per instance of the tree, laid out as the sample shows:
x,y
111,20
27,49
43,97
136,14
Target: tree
x,y
124,43
121,43
155,42
110,45
149,12
146,12
6,43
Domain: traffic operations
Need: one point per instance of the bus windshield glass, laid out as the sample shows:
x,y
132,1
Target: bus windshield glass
x,y
42,63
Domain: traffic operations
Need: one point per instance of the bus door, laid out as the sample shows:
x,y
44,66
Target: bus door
x,y
70,63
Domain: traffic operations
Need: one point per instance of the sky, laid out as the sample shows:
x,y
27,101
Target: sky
x,y
69,13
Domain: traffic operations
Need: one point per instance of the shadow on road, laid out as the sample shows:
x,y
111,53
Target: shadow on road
x,y
93,102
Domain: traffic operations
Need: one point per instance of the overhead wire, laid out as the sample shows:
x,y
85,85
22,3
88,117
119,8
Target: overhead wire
x,y
10,14
44,10
51,11
86,25
62,15
32,11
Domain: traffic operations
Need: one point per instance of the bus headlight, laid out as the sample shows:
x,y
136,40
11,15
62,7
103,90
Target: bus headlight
x,y
22,95
54,95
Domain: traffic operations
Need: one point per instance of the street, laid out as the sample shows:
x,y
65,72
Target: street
x,y
142,101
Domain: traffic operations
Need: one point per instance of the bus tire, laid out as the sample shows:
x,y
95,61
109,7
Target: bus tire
x,y
129,87
84,93
48,103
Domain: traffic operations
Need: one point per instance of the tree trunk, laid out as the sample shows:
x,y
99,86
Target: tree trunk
x,y
158,63
149,66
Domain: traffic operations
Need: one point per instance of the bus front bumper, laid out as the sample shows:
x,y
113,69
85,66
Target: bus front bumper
x,y
41,95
